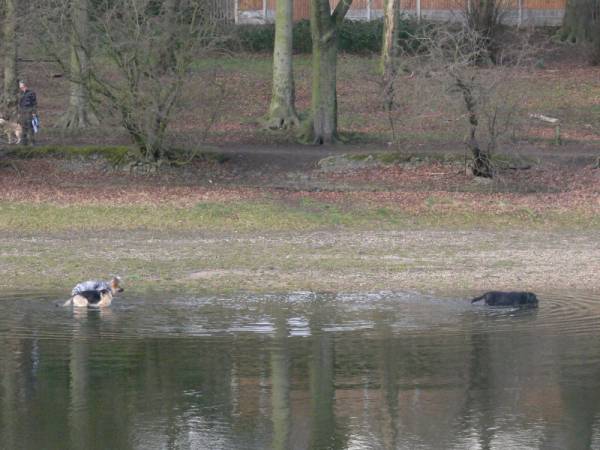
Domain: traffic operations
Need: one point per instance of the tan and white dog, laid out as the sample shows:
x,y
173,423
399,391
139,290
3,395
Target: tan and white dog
x,y
11,129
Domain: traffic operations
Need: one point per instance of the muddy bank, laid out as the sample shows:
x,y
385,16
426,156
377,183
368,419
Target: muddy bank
x,y
436,261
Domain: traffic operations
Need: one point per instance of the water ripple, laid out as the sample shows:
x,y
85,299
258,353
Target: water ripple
x,y
406,313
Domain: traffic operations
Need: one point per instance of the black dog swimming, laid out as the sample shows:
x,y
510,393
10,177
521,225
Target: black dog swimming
x,y
514,299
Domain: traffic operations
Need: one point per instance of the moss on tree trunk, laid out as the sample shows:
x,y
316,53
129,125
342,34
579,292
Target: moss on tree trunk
x,y
80,113
578,19
324,91
10,91
581,24
324,31
388,51
481,163
282,111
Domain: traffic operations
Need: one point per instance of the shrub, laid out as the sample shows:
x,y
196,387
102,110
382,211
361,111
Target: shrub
x,y
361,37
302,37
357,37
254,38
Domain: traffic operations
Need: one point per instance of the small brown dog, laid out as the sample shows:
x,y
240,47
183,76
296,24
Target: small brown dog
x,y
11,129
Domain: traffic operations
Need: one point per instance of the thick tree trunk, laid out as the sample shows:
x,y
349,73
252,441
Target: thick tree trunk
x,y
389,51
324,92
483,16
80,113
581,25
324,27
578,23
11,89
282,111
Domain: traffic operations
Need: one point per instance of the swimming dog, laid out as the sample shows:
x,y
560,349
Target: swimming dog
x,y
114,286
95,293
11,129
514,299
96,299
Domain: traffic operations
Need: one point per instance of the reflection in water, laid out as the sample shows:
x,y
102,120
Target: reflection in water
x,y
304,371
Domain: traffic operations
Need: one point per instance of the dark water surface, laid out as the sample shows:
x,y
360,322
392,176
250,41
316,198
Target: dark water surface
x,y
302,371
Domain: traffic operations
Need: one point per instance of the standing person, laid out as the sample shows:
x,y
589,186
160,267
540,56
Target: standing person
x,y
27,110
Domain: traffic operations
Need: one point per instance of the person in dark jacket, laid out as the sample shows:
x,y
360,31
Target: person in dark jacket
x,y
27,110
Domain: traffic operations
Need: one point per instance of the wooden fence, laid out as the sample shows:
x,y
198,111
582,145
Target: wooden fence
x,y
223,10
517,12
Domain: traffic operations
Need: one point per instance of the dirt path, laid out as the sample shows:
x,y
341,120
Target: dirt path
x,y
278,158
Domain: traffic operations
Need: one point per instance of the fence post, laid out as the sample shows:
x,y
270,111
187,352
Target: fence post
x,y
236,11
265,10
418,10
368,10
520,19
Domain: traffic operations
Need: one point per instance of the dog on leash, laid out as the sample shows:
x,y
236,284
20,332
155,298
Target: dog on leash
x,y
10,129
514,299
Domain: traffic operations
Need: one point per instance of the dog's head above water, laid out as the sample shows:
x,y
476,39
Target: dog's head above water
x,y
115,285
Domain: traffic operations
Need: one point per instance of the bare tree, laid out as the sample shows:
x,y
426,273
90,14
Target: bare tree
x,y
80,114
9,42
282,111
132,77
454,58
324,26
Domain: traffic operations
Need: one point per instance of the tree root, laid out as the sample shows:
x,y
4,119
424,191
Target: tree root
x,y
282,122
76,119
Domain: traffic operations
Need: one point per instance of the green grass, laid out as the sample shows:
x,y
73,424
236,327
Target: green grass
x,y
114,155
240,216
70,151
271,215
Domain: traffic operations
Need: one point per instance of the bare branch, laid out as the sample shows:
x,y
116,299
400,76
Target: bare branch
x,y
340,11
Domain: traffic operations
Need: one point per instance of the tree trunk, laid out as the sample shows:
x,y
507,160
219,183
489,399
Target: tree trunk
x,y
485,14
483,17
324,91
10,91
389,51
282,112
80,113
324,28
581,25
481,164
578,23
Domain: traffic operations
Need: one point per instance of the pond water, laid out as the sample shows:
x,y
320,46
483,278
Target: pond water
x,y
300,371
